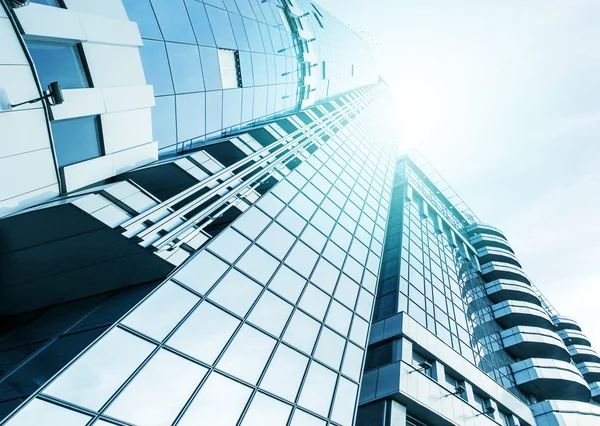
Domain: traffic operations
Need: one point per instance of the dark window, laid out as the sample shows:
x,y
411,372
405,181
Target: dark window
x,y
76,139
379,355
55,3
58,62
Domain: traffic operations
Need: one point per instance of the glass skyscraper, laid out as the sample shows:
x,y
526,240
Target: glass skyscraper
x,y
215,228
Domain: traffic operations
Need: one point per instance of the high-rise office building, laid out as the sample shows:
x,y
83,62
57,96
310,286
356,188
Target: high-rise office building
x,y
213,228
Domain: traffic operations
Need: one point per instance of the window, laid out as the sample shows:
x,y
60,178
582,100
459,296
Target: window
x,y
420,362
457,386
76,139
229,64
505,419
58,62
55,3
379,355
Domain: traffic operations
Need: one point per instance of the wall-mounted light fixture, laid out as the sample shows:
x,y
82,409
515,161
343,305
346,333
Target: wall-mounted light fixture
x,y
54,96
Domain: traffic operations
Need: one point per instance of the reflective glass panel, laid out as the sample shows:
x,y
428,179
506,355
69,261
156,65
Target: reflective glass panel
x,y
277,240
164,123
285,373
58,62
156,66
314,301
39,412
325,275
338,317
202,271
76,139
346,291
144,400
204,333
302,418
330,348
94,377
302,259
210,66
352,361
221,27
247,354
270,313
302,332
185,67
318,389
345,398
229,245
252,222
200,23
219,403
173,20
287,284
160,312
258,264
235,292
266,411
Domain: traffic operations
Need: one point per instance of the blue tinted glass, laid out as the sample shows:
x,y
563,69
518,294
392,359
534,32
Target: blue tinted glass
x,y
239,32
200,23
260,101
190,116
185,67
214,108
54,3
276,39
257,12
259,65
256,44
218,3
141,12
76,139
219,22
231,6
245,8
246,69
156,67
58,62
247,104
163,121
271,69
210,66
232,107
264,32
173,20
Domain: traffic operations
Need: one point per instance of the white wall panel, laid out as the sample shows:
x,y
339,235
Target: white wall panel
x,y
19,85
114,65
11,52
48,21
127,98
26,172
20,202
123,130
80,103
110,31
108,8
23,131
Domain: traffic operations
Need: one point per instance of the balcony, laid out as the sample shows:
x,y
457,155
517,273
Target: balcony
x,y
573,337
497,254
566,413
502,289
595,388
589,370
581,353
483,228
496,270
512,313
532,342
551,379
565,323
482,240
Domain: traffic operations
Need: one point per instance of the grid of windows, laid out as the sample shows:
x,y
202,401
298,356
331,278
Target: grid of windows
x,y
289,298
425,275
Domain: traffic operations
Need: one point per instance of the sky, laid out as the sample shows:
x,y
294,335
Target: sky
x,y
503,99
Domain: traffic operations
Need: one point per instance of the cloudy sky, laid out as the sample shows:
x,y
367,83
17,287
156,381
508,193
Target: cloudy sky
x,y
503,98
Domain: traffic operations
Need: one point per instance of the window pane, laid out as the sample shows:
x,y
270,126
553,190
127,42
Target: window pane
x,y
210,66
202,272
258,264
304,419
359,330
164,122
39,412
144,400
302,332
353,361
252,222
287,284
94,377
266,411
271,313
338,317
229,245
200,23
58,62
204,333
314,301
345,399
247,355
156,67
318,389
285,373
235,292
302,259
219,403
141,12
76,139
277,240
185,67
325,275
173,20
158,314
330,348
346,291
221,27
